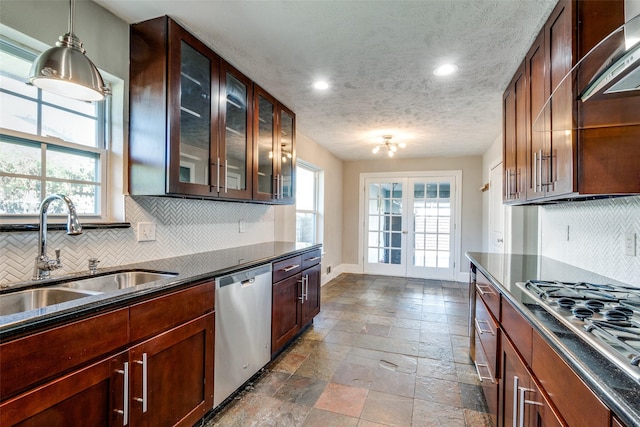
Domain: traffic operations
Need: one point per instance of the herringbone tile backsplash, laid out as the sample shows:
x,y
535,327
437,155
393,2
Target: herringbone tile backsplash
x,y
596,236
182,227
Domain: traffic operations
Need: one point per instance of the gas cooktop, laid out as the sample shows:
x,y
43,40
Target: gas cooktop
x,y
607,317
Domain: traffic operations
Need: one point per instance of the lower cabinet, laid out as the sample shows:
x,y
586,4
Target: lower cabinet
x,y
522,403
171,376
295,298
164,380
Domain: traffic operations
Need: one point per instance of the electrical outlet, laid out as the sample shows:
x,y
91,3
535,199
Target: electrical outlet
x,y
241,226
146,231
630,244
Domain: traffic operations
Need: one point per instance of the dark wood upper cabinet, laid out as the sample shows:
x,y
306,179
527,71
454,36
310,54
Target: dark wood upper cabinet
x,y
573,148
274,151
192,123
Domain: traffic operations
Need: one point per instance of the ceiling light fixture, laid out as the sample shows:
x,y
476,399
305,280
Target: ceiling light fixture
x,y
445,70
65,69
391,147
321,85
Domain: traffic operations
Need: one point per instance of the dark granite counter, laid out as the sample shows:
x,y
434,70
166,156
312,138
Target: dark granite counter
x,y
616,389
190,269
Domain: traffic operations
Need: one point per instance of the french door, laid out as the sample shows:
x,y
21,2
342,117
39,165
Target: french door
x,y
410,225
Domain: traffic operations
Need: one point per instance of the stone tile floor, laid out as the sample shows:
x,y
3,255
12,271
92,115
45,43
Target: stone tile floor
x,y
384,351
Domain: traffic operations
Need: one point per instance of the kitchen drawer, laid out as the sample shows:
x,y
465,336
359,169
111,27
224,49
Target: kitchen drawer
x,y
287,268
310,259
517,329
487,377
487,333
489,294
160,314
38,357
573,398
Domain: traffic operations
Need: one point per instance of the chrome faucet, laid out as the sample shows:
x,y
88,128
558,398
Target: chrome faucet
x,y
44,265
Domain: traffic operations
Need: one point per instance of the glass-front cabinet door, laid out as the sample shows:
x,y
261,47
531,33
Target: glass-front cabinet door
x,y
235,151
193,114
264,128
286,177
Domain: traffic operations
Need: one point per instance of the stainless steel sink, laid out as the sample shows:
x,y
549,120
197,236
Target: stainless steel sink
x,y
31,299
118,280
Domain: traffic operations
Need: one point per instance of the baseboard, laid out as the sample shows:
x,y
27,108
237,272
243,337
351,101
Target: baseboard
x,y
461,276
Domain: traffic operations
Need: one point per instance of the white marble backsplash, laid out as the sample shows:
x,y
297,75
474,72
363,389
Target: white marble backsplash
x,y
183,226
596,236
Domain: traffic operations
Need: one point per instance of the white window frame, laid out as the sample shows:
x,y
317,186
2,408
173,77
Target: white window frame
x,y
316,211
111,166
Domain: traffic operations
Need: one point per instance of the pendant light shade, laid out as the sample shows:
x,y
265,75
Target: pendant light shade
x,y
65,69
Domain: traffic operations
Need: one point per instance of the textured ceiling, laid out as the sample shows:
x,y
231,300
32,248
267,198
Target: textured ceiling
x,y
378,57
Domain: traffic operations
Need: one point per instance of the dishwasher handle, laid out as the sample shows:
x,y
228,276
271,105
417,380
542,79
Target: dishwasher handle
x,y
245,277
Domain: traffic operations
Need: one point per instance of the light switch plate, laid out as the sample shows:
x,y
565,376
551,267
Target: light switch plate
x,y
146,231
630,244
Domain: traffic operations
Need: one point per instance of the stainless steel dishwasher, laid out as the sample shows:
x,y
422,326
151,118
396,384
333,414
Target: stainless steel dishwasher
x,y
243,328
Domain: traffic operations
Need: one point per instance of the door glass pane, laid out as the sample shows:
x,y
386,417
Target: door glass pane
x,y
385,223
265,145
432,224
195,115
286,153
236,133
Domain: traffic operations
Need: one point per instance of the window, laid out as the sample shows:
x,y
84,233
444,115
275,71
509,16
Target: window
x,y
307,205
48,144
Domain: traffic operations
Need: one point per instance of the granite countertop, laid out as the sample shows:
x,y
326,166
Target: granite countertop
x,y
616,389
189,268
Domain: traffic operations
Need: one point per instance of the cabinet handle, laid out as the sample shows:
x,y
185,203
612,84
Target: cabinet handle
x,y
485,366
540,159
535,172
313,259
483,331
301,297
226,174
485,289
523,401
125,395
506,184
516,382
291,267
306,292
144,399
218,174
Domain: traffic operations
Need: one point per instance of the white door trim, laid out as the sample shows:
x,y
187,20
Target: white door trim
x,y
456,174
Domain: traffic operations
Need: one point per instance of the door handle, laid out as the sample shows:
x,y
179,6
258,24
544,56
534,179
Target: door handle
x,y
125,398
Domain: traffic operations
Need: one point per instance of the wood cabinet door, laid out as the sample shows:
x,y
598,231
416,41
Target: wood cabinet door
x,y
558,159
509,142
172,375
538,92
311,304
286,315
192,97
286,160
235,150
264,151
92,396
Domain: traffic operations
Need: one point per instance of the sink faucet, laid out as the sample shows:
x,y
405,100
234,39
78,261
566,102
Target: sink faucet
x,y
43,265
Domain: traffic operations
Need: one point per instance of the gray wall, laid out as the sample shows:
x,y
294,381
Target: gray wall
x,y
471,168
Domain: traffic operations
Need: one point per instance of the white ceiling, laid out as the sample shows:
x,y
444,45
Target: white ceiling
x,y
378,57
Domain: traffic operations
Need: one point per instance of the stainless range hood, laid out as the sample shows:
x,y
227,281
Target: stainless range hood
x,y
621,72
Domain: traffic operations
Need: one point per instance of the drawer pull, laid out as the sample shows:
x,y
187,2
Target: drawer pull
x,y
145,389
291,267
483,331
315,258
485,289
125,409
485,366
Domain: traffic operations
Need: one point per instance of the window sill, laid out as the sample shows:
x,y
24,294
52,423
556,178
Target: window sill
x,y
7,228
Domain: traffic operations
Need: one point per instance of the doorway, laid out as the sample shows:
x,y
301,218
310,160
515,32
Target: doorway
x,y
410,224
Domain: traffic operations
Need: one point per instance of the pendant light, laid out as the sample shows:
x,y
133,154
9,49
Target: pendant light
x,y
65,69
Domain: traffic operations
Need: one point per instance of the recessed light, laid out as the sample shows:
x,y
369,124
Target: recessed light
x,y
445,69
321,85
